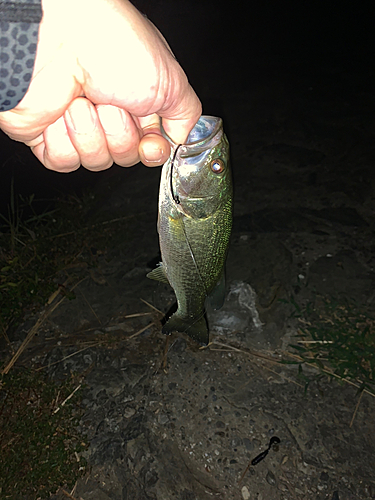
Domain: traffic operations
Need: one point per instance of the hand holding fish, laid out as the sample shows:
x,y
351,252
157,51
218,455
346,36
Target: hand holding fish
x,y
103,76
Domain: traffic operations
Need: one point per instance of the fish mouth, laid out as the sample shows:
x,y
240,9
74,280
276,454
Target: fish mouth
x,y
186,158
205,135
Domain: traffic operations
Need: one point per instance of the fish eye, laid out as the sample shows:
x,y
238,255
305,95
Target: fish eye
x,y
217,166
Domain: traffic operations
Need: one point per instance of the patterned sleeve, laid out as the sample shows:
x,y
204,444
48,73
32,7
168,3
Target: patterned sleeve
x,y
19,27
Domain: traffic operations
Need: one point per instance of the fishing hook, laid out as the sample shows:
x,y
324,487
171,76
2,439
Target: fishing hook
x,y
176,199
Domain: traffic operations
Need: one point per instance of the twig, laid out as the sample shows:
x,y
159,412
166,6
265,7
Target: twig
x,y
244,472
291,491
165,354
247,351
139,331
356,408
136,315
57,398
33,331
66,357
315,341
75,485
228,347
329,372
103,223
5,335
152,307
68,494
283,376
92,310
67,399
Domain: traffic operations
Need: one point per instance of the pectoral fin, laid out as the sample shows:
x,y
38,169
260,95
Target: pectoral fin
x,y
158,274
217,297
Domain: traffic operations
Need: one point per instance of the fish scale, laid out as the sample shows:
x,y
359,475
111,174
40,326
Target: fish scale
x,y
194,225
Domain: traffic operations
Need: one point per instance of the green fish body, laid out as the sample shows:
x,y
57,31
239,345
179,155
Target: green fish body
x,y
195,220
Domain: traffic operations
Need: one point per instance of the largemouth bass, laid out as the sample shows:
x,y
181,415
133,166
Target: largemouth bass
x,y
194,225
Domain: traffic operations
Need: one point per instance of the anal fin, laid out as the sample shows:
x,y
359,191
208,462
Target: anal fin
x,y
195,328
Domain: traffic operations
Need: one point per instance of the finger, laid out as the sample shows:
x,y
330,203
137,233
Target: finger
x,y
154,149
122,134
180,116
87,135
56,150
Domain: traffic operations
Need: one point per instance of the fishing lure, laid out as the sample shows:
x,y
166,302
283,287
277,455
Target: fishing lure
x,y
273,441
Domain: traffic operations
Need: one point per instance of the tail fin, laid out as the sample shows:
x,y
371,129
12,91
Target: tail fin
x,y
195,328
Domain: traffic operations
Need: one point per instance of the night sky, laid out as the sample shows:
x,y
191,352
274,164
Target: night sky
x,y
221,46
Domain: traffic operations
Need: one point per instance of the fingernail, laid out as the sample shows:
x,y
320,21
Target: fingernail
x,y
112,119
82,119
152,153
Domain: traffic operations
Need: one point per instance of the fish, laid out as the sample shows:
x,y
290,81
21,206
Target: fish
x,y
194,225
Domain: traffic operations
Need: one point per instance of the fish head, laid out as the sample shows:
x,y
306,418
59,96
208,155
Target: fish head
x,y
198,173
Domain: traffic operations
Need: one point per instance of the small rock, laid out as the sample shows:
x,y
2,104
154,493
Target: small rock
x,y
324,476
371,490
335,495
151,478
129,412
163,418
87,358
179,345
270,478
248,444
245,493
236,441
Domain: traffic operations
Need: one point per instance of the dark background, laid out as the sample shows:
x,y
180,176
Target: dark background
x,y
224,47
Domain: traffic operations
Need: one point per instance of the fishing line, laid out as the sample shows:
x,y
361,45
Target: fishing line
x,y
196,267
192,256
176,199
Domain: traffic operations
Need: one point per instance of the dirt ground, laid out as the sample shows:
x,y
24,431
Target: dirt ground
x,y
167,420
171,421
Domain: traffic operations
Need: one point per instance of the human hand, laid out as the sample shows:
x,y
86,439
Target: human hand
x,y
103,76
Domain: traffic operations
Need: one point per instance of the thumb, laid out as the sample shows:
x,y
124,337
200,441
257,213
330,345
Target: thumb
x,y
178,130
179,120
